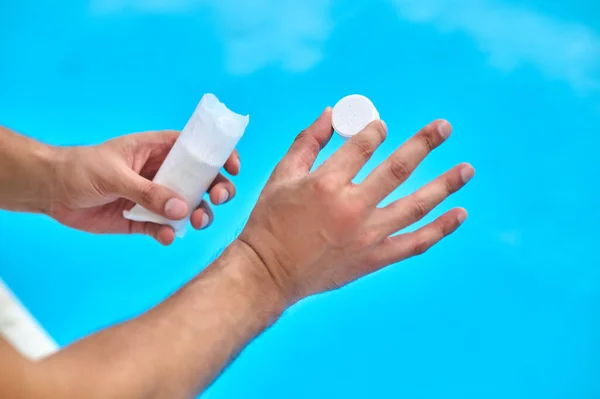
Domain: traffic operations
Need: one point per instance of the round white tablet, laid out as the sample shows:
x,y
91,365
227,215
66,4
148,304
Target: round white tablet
x,y
352,113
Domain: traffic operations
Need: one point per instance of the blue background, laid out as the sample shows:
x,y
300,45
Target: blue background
x,y
508,307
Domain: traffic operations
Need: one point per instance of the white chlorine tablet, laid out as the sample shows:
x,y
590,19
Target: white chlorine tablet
x,y
352,114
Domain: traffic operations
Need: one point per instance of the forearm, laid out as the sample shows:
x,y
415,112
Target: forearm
x,y
26,170
178,348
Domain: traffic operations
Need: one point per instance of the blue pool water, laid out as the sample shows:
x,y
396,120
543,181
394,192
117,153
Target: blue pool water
x,y
508,307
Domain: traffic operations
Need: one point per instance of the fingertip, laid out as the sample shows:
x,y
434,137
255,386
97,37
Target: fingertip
x,y
200,219
220,194
195,219
466,172
233,164
165,235
384,125
461,215
324,119
176,208
444,128
233,170
205,221
379,126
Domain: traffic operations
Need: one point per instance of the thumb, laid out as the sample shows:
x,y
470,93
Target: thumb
x,y
153,197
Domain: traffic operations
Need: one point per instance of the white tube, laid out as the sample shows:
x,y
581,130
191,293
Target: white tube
x,y
201,150
21,330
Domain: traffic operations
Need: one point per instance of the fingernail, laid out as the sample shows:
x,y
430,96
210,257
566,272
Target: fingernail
x,y
222,197
444,129
461,217
467,173
384,126
205,220
324,113
175,209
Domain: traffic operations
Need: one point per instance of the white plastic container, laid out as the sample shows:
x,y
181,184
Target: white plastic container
x,y
201,150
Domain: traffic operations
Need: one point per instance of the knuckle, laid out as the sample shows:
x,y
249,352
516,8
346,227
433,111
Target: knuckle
x,y
304,149
367,239
429,139
399,169
312,146
364,148
147,229
301,135
449,187
354,209
102,185
348,218
446,229
419,209
420,246
148,193
323,185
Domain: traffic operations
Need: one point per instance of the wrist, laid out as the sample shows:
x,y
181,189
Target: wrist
x,y
53,161
274,259
245,270
26,173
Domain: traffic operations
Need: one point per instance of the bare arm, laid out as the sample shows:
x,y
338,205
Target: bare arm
x,y
173,351
310,232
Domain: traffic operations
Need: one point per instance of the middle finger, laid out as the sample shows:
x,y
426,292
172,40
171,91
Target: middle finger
x,y
400,165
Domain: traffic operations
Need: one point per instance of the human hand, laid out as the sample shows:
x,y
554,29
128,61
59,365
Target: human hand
x,y
94,185
318,231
